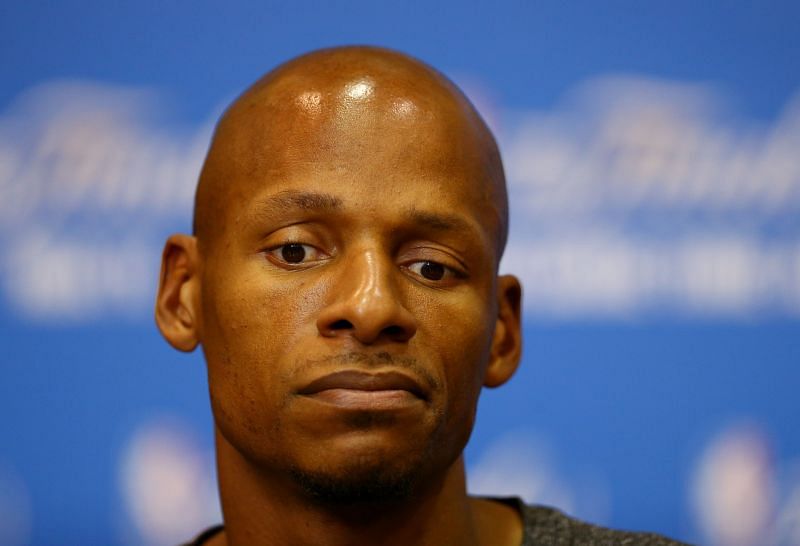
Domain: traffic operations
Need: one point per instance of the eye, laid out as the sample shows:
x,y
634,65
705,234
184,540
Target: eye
x,y
295,254
432,271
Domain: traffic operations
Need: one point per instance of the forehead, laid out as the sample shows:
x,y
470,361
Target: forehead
x,y
346,119
356,137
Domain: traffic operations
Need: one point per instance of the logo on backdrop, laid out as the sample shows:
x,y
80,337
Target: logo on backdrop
x,y
632,197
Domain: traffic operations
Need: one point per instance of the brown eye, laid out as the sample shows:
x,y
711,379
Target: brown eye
x,y
432,271
295,256
293,253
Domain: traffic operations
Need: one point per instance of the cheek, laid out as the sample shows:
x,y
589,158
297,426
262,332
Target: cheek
x,y
462,332
251,333
254,315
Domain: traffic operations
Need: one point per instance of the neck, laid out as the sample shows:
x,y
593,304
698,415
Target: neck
x,y
260,508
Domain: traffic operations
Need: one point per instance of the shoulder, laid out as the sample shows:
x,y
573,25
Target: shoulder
x,y
545,526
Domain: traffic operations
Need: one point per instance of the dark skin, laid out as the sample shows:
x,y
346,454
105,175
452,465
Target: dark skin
x,y
350,218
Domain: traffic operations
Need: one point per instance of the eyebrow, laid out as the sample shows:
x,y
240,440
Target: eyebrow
x,y
439,222
293,200
289,200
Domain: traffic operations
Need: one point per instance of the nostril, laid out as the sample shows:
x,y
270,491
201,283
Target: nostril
x,y
341,324
394,331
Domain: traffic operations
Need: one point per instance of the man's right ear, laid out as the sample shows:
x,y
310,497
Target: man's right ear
x,y
178,298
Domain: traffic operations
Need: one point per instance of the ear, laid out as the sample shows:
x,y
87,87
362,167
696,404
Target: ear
x,y
507,339
178,298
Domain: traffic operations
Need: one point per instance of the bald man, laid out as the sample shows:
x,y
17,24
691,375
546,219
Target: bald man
x,y
342,282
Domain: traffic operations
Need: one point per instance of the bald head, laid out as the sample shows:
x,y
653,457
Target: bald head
x,y
331,110
350,217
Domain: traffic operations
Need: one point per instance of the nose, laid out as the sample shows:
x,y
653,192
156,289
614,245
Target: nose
x,y
365,303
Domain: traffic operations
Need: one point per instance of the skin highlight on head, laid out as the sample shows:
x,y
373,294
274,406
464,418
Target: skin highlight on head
x,y
342,282
315,98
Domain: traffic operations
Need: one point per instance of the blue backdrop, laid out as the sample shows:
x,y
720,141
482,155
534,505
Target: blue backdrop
x,y
652,157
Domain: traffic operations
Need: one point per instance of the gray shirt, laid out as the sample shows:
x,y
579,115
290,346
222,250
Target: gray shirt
x,y
544,526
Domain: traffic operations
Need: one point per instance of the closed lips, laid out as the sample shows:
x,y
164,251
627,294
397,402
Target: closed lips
x,y
362,381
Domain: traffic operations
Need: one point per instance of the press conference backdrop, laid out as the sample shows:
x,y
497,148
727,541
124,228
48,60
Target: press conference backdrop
x,y
653,157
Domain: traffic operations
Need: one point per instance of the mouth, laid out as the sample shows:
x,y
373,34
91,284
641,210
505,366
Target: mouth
x,y
362,390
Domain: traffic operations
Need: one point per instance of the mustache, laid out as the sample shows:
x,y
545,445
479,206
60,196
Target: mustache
x,y
369,361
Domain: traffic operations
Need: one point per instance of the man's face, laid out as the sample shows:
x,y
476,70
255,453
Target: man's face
x,y
349,294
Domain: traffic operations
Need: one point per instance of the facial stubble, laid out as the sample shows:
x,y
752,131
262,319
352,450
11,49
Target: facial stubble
x,y
371,479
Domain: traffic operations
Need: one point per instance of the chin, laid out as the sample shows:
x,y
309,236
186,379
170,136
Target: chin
x,y
367,486
373,466
363,479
